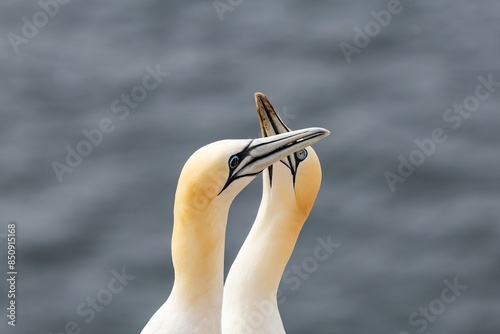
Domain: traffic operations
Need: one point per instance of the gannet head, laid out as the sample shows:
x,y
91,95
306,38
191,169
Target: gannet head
x,y
209,182
217,172
294,182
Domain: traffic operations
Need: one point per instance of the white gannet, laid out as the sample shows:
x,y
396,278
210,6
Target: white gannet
x,y
209,181
290,189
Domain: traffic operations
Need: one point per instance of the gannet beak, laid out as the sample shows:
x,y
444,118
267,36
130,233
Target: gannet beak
x,y
266,151
263,152
270,122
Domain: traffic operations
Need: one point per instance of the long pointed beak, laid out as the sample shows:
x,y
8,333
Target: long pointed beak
x,y
264,152
270,122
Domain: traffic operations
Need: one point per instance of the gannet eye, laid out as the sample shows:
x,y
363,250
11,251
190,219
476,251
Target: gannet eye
x,y
301,155
234,161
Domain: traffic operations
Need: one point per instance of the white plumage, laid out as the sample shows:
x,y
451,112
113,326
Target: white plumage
x,y
210,180
290,189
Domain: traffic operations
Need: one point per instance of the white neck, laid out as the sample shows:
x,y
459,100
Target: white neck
x,y
251,286
194,305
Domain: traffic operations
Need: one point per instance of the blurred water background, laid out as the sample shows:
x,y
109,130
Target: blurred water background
x,y
114,210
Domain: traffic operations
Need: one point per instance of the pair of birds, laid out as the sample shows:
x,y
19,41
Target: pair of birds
x,y
213,176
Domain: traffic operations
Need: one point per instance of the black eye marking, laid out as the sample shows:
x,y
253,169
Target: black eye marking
x,y
234,161
294,162
270,169
301,155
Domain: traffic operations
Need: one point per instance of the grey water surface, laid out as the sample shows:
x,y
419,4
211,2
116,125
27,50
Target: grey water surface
x,y
416,250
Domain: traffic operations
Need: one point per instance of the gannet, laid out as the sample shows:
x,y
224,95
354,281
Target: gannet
x,y
290,189
209,181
